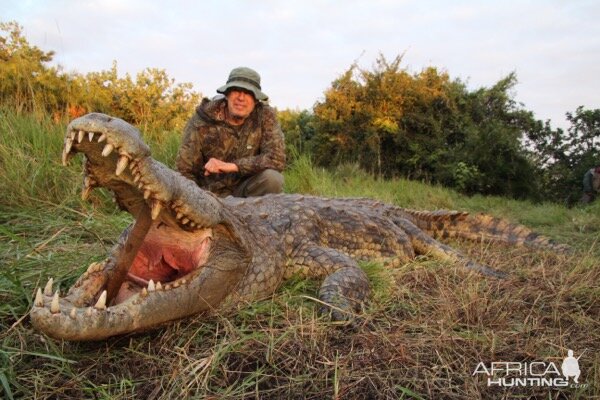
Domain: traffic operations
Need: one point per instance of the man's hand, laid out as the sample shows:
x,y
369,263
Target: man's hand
x,y
216,166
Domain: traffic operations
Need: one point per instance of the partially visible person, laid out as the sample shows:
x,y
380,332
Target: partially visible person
x,y
591,185
233,144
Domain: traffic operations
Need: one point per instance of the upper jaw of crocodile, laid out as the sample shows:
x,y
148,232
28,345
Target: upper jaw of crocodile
x,y
174,273
118,159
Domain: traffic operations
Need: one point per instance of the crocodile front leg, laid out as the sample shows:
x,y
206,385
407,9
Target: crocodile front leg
x,y
344,292
345,287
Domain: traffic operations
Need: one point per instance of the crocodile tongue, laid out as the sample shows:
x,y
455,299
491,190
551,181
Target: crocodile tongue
x,y
166,254
130,251
169,253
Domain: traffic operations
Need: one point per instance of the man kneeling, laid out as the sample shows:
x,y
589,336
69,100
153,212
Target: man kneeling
x,y
233,144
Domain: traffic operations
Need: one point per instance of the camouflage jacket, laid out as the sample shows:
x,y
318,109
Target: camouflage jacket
x,y
254,146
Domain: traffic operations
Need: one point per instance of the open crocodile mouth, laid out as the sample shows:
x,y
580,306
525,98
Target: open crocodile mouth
x,y
171,237
167,255
166,266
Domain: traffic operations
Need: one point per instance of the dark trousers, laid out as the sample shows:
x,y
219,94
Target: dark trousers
x,y
268,181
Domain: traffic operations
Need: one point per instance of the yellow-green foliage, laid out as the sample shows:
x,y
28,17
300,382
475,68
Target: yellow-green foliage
x,y
152,100
426,126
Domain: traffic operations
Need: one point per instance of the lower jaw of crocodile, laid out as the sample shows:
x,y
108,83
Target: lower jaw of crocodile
x,y
162,285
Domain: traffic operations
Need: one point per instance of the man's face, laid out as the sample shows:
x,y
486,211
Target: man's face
x,y
240,104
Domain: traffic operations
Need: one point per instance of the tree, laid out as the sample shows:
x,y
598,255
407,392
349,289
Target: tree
x,y
426,126
152,101
26,83
298,129
487,153
564,157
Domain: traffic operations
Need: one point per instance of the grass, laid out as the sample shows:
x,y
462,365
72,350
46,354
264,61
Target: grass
x,y
426,328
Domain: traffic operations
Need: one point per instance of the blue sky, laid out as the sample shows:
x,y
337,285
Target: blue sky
x,y
300,47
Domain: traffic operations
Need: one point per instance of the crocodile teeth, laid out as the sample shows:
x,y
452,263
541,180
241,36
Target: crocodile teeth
x,y
147,194
156,209
101,303
39,300
136,178
48,287
144,292
107,150
95,267
80,136
72,135
151,287
90,136
73,313
179,215
55,306
65,158
159,286
121,165
102,138
87,188
68,145
185,221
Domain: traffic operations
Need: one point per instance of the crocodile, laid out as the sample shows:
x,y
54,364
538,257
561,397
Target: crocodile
x,y
190,252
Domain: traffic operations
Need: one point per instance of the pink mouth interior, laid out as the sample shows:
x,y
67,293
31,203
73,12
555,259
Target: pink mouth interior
x,y
167,254
164,263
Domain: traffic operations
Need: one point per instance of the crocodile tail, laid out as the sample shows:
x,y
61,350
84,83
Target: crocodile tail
x,y
481,227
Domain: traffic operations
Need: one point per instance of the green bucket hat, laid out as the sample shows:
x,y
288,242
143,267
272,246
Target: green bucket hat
x,y
244,78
